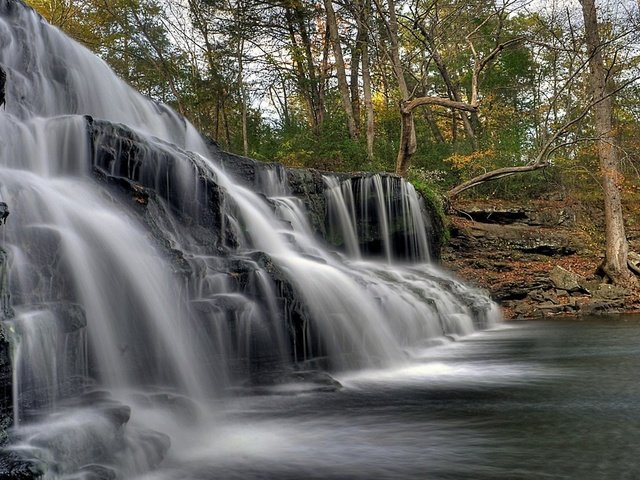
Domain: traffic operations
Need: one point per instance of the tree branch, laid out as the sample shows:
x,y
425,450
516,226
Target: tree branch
x,y
541,161
408,106
494,175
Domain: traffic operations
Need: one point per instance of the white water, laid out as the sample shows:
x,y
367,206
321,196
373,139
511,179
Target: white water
x,y
73,242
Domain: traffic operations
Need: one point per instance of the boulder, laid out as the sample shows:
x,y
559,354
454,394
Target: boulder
x,y
97,472
563,279
589,307
548,308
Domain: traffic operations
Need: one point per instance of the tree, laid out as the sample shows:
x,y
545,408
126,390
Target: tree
x,y
343,86
615,262
408,142
363,17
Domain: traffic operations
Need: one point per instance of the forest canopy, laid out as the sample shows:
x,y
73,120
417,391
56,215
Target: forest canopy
x,y
328,84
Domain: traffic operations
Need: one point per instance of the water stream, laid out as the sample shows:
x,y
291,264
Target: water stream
x,y
139,328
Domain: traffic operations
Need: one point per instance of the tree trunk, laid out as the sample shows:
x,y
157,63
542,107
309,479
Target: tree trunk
x,y
343,86
243,98
408,143
364,14
354,84
615,262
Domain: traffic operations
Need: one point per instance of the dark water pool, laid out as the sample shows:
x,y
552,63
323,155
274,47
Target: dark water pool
x,y
535,400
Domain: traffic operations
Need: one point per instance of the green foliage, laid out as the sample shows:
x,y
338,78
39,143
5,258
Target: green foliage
x,y
213,59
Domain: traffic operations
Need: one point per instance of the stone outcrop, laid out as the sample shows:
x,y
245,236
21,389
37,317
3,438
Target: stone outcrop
x,y
309,186
563,279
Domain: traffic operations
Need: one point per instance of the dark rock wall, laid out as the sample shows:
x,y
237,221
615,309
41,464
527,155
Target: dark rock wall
x,y
308,185
6,313
3,79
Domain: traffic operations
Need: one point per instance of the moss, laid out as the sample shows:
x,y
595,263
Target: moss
x,y
434,202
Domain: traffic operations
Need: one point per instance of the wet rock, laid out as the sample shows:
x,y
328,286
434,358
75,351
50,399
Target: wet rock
x,y
70,317
6,373
96,472
293,382
14,467
92,397
3,80
138,168
116,412
4,212
155,445
183,406
565,280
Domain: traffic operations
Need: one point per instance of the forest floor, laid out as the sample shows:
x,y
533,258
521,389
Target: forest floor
x,y
539,258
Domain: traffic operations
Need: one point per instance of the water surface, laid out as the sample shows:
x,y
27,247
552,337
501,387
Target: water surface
x,y
548,400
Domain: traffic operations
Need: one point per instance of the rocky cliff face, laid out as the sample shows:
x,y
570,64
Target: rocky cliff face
x,y
11,465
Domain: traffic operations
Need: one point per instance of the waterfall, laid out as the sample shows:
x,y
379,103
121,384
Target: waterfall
x,y
146,277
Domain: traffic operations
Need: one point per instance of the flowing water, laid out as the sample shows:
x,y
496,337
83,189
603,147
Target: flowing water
x,y
139,329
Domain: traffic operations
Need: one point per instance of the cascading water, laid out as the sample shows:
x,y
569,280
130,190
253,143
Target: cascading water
x,y
147,282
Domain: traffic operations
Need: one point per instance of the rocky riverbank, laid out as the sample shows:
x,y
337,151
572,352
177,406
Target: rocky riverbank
x,y
538,259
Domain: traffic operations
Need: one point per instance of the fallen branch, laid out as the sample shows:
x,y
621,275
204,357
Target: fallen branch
x,y
494,175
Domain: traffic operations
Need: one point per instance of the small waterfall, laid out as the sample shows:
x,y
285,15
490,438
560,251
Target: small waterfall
x,y
149,281
367,214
